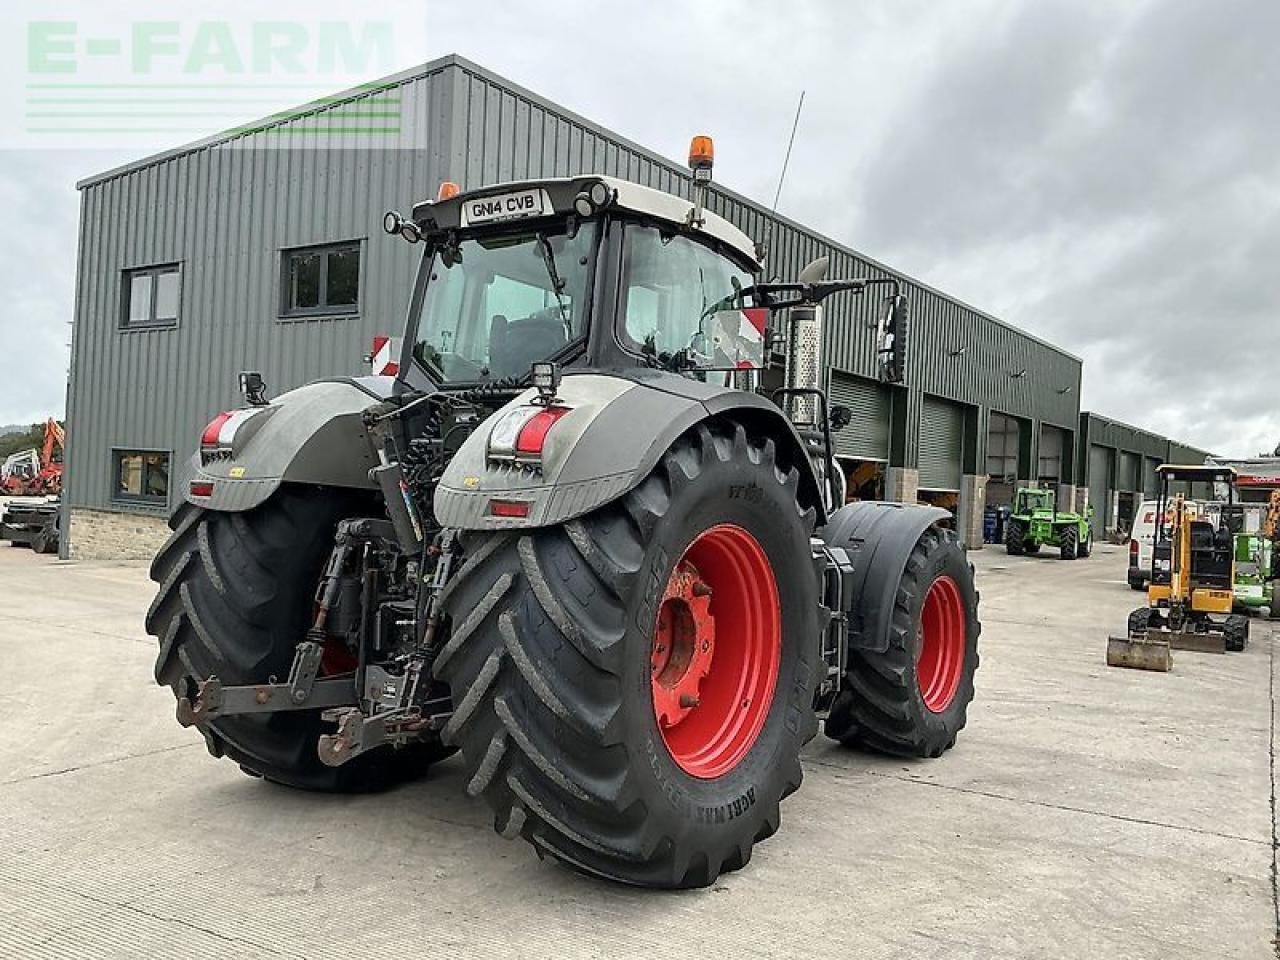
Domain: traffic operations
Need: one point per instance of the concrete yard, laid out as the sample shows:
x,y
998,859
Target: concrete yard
x,y
1086,812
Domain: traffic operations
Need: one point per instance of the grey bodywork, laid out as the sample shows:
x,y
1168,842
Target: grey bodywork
x,y
310,435
618,428
616,431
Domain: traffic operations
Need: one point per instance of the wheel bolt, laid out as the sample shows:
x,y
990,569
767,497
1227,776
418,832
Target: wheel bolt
x,y
688,701
701,589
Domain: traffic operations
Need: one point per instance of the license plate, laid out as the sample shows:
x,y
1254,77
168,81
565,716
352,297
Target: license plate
x,y
505,206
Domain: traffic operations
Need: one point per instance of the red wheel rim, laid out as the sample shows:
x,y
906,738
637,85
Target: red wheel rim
x,y
716,649
942,641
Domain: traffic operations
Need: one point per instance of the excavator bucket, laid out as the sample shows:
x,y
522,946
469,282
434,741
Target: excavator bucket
x,y
1148,652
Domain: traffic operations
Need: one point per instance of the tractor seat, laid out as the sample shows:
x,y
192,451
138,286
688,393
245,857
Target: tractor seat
x,y
515,344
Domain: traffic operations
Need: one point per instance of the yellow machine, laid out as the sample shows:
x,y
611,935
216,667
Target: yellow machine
x,y
1192,572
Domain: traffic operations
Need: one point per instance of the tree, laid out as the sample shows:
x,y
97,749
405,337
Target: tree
x,y
22,439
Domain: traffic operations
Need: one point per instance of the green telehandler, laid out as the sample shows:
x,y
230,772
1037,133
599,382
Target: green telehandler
x,y
1036,520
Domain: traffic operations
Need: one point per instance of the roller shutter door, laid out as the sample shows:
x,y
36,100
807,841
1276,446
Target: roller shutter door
x,y
941,445
1130,466
867,436
1050,465
1002,446
1100,459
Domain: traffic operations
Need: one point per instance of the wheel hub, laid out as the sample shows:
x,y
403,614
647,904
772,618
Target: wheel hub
x,y
716,651
683,645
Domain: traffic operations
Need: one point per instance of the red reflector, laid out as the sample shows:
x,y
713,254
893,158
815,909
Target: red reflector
x,y
509,508
534,432
210,436
199,489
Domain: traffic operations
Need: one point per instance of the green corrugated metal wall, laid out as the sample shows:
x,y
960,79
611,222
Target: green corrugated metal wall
x,y
867,436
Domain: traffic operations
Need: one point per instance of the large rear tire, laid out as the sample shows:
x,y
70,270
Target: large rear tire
x,y
912,700
236,597
592,714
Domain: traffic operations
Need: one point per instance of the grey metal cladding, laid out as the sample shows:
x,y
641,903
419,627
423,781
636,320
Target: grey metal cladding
x,y
224,211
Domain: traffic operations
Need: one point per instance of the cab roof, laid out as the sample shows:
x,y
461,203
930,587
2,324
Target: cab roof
x,y
627,196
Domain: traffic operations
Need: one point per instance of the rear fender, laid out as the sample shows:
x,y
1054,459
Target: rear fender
x,y
310,435
617,429
879,538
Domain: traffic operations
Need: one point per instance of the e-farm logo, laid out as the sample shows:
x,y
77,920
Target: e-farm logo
x,y
151,78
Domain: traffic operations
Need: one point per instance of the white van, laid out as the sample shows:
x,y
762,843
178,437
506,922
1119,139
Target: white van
x,y
1141,538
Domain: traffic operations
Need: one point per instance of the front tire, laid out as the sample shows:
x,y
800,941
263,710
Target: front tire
x,y
235,599
912,700
574,725
1236,632
1068,542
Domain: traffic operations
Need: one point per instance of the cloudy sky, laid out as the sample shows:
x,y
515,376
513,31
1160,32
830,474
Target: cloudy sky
x,y
1104,175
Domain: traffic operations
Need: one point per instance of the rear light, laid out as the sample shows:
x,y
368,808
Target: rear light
x,y
534,433
201,489
509,508
1133,548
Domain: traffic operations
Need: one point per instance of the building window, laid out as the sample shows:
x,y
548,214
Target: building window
x,y
321,281
152,297
141,476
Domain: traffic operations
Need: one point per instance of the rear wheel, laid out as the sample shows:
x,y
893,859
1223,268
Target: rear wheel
x,y
912,699
1068,543
1236,632
235,599
1014,535
633,688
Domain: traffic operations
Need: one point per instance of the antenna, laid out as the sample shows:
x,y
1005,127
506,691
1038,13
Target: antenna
x,y
763,247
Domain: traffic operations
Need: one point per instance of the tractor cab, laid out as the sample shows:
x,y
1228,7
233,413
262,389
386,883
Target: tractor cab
x,y
1031,500
584,272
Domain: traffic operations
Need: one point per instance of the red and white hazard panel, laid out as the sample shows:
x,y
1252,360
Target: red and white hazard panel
x,y
386,356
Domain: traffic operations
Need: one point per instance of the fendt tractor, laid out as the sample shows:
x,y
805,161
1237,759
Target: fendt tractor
x,y
590,534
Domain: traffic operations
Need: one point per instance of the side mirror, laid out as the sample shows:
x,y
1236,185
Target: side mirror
x,y
839,417
893,340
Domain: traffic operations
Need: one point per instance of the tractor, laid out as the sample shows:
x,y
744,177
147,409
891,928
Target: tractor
x,y
1191,596
589,533
1035,521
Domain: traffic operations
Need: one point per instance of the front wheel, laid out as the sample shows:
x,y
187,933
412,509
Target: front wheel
x,y
632,689
912,700
1068,543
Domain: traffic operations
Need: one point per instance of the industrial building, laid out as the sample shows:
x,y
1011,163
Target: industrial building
x,y
262,249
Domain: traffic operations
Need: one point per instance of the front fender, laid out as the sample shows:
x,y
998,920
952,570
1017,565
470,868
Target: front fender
x,y
879,537
617,429
313,434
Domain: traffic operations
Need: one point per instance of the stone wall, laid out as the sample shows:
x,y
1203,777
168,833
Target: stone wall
x,y
103,535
